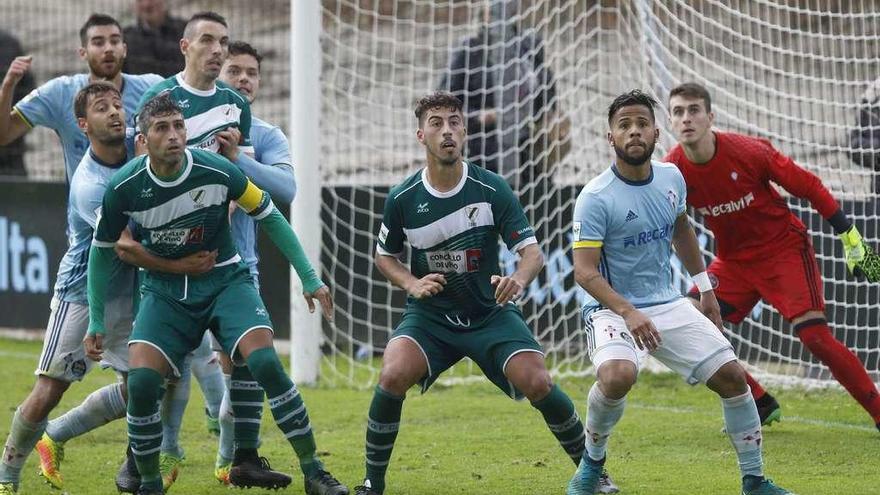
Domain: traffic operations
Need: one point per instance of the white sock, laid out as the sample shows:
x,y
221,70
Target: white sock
x,y
602,414
23,436
744,429
99,408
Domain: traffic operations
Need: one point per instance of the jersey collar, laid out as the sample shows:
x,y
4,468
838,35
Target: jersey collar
x,y
634,182
450,193
195,91
186,170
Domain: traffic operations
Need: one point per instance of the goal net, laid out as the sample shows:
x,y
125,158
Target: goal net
x,y
537,77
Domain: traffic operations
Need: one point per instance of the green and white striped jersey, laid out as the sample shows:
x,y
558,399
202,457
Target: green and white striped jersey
x,y
206,112
455,233
179,217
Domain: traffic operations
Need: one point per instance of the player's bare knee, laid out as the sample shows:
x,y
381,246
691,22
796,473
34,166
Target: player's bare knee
x,y
403,364
535,387
45,395
729,380
397,379
616,378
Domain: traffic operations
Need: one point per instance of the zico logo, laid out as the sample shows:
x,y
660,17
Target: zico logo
x,y
729,207
647,236
464,261
177,237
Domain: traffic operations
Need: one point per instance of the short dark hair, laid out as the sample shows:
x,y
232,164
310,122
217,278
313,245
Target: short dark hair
x,y
95,89
160,105
693,90
633,97
244,48
437,99
96,20
205,15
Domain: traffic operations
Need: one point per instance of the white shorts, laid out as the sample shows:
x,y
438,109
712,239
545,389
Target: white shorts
x,y
691,345
64,357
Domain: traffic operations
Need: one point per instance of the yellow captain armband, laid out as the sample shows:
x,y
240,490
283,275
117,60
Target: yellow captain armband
x,y
250,198
586,244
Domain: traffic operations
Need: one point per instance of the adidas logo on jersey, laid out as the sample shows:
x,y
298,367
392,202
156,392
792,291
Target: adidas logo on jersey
x,y
631,216
422,208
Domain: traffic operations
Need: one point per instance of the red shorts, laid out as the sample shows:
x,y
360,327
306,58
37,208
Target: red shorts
x,y
789,281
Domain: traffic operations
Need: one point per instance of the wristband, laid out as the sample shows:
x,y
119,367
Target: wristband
x,y
702,281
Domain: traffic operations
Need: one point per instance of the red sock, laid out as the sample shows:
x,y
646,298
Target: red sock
x,y
757,390
843,363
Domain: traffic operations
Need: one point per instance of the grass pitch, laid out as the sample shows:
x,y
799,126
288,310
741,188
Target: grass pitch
x,y
471,440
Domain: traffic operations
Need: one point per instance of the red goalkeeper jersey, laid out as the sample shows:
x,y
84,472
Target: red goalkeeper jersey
x,y
734,194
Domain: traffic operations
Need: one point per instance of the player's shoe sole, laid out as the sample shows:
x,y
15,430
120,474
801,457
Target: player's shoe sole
x,y
51,453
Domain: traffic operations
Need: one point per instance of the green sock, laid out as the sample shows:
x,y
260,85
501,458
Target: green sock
x,y
145,423
382,427
563,421
246,398
287,407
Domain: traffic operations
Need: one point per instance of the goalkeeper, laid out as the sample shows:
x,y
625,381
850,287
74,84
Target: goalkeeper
x,y
763,250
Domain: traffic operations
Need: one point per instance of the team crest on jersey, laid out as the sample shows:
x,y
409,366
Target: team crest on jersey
x,y
197,196
472,213
672,196
734,175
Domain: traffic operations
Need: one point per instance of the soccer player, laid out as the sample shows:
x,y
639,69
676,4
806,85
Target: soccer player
x,y
452,213
99,111
186,210
626,221
218,119
51,104
764,250
270,170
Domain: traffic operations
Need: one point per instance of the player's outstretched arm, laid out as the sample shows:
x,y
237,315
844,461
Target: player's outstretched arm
x,y
12,126
398,274
684,240
258,205
507,289
586,274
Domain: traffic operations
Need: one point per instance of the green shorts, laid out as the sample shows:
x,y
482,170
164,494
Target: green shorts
x,y
490,343
175,310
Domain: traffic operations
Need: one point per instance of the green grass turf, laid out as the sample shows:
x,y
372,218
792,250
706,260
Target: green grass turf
x,y
471,439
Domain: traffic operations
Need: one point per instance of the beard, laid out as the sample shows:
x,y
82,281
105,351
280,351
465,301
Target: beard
x,y
97,68
635,160
446,159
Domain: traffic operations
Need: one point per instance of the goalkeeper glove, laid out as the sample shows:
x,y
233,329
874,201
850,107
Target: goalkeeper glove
x,y
861,260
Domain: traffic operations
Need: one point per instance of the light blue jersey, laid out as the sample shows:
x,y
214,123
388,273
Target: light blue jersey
x,y
271,149
632,223
86,194
51,105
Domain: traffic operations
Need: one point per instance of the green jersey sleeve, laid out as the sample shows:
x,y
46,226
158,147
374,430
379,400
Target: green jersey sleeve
x,y
112,219
391,235
510,219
